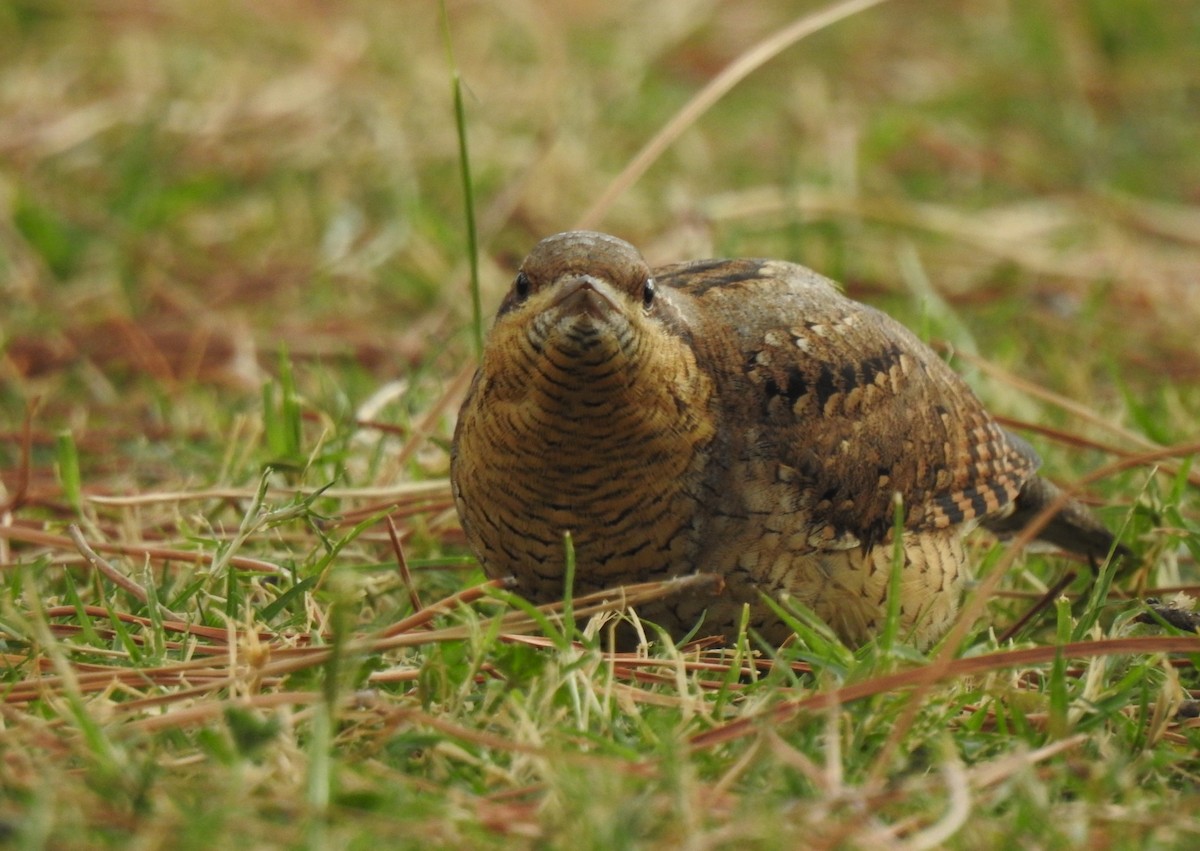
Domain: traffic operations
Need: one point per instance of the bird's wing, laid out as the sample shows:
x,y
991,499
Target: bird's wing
x,y
850,400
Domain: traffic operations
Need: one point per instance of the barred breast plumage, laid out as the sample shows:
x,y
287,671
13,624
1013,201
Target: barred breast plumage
x,y
735,417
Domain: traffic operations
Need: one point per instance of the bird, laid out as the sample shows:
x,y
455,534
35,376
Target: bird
x,y
736,417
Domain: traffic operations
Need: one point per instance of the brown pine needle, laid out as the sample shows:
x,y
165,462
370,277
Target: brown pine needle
x,y
111,573
151,551
402,565
921,678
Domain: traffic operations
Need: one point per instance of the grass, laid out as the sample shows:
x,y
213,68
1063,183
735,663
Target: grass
x,y
235,604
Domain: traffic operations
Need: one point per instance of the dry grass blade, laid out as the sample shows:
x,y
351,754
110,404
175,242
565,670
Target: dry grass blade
x,y
1003,768
400,493
423,617
1082,412
717,88
402,565
922,678
429,420
155,553
111,573
280,655
586,606
208,633
25,468
1040,606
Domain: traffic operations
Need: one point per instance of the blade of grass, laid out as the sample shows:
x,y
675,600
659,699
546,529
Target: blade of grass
x,y
736,71
1060,700
569,632
464,164
68,469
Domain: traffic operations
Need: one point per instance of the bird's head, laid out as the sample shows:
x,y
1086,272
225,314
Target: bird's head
x,y
584,307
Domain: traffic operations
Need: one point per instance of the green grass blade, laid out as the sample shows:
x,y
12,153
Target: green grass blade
x,y
68,469
464,165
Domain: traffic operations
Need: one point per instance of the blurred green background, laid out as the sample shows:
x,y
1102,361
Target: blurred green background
x,y
185,188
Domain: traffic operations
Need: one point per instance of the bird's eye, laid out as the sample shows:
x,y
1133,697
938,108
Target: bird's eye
x,y
521,285
648,291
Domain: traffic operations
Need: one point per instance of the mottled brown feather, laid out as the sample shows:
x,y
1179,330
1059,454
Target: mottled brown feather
x,y
738,417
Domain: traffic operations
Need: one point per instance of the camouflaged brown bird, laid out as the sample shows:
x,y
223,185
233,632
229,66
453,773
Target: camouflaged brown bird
x,y
735,417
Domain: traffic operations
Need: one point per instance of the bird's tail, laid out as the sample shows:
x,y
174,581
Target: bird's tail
x,y
1074,528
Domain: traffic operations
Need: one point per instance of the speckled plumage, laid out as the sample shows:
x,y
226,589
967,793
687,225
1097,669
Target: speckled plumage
x,y
736,417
